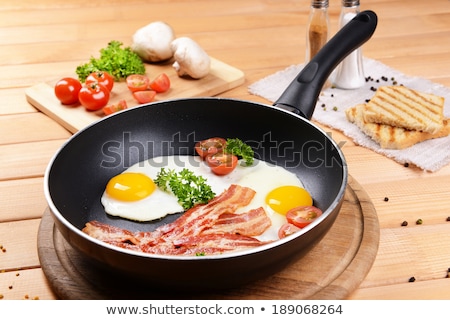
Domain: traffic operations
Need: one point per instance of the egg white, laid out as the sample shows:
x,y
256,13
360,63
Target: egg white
x,y
261,177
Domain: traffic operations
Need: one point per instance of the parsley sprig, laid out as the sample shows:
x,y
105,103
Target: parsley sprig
x,y
240,149
117,61
186,186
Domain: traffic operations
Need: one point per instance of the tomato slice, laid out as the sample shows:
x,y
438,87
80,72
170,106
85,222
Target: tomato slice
x,y
110,109
210,146
67,89
286,230
137,82
144,96
221,163
161,83
303,215
94,96
102,77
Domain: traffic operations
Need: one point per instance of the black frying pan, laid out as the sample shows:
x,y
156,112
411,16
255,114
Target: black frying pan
x,y
77,175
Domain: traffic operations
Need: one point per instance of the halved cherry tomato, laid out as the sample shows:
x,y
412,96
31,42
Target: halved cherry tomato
x,y
286,230
161,83
137,82
210,146
303,215
221,163
110,109
67,89
94,96
144,96
101,77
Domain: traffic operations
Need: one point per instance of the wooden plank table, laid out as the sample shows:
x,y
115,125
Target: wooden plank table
x,y
44,41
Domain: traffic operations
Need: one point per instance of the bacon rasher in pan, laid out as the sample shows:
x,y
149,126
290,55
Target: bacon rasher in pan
x,y
251,223
205,229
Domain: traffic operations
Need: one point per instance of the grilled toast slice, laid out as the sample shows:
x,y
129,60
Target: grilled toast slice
x,y
391,137
400,106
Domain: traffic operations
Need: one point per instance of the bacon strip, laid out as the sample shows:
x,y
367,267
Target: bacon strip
x,y
208,243
201,217
108,233
252,223
205,229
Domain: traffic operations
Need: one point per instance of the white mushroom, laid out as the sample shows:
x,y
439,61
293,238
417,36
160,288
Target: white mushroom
x,y
152,42
190,59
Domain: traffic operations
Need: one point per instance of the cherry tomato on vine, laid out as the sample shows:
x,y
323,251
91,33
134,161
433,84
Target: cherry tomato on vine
x,y
210,146
221,163
94,96
286,230
144,96
101,77
303,215
110,109
67,89
137,82
161,83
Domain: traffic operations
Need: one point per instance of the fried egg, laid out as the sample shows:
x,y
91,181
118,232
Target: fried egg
x,y
133,194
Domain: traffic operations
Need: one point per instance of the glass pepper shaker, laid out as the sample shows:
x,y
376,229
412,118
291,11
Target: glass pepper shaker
x,y
349,74
317,29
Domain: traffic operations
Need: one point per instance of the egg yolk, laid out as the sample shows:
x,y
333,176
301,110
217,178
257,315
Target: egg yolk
x,y
285,198
130,186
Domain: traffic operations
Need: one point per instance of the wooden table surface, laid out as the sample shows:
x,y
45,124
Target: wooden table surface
x,y
43,41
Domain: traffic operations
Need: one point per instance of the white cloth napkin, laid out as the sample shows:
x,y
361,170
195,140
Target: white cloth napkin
x,y
430,155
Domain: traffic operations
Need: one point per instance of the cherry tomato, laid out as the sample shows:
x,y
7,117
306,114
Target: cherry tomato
x,y
286,230
161,83
101,77
137,82
67,89
303,215
94,96
221,163
110,109
145,96
209,146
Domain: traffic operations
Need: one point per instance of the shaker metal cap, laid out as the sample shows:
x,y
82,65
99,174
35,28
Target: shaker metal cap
x,y
350,3
319,3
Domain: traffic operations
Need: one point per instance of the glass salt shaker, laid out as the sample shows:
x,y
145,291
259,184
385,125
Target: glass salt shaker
x,y
350,74
317,29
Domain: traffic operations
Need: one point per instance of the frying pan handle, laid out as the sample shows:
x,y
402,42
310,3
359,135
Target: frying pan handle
x,y
301,95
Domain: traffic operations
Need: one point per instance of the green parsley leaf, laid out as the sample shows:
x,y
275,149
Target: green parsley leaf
x,y
186,186
240,149
117,61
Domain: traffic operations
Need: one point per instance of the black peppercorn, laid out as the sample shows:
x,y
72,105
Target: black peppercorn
x,y
404,223
412,279
386,199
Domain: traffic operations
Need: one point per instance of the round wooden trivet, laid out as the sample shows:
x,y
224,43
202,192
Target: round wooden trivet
x,y
333,269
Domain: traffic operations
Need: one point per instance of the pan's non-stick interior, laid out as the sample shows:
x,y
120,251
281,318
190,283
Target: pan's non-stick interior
x,y
82,168
77,176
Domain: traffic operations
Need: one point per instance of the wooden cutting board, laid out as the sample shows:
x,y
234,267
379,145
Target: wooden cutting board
x,y
221,78
333,269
